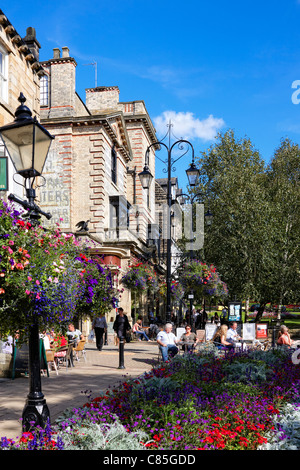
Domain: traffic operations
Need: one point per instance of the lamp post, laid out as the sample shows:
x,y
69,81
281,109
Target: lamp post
x,y
28,143
208,219
146,179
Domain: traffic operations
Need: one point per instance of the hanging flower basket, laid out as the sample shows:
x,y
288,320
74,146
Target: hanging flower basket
x,y
139,278
203,280
177,290
44,277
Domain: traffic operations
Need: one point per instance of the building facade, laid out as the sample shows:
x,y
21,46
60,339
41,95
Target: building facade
x,y
20,71
92,168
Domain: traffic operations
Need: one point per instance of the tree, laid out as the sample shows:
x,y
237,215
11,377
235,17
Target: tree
x,y
283,186
232,173
254,239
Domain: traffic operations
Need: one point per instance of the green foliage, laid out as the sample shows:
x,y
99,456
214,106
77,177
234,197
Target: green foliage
x,y
254,238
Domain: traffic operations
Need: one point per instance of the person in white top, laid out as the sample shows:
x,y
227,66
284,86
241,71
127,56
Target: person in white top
x,y
232,335
167,342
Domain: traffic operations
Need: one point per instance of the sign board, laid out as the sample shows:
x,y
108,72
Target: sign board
x,y
234,311
210,329
179,332
21,359
261,331
3,174
249,331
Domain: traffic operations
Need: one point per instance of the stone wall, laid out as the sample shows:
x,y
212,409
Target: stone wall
x,y
22,71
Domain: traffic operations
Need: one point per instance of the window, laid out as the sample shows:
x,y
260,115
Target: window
x,y
3,75
44,90
114,165
119,213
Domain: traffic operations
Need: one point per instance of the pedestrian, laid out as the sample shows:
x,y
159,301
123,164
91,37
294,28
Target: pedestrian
x,y
121,324
99,326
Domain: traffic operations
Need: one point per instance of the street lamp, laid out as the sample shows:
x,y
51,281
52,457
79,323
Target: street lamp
x,y
27,144
208,220
146,179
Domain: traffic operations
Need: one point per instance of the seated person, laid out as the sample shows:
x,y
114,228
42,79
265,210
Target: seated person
x,y
138,330
232,335
284,338
220,336
189,339
167,342
73,334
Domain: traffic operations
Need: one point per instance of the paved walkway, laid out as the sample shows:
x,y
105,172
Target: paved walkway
x,y
62,391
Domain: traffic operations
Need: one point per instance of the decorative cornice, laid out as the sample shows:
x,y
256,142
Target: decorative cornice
x,y
21,45
94,120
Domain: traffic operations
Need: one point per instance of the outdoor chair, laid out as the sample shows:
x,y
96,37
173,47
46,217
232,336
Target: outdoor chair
x,y
80,348
201,335
68,358
51,359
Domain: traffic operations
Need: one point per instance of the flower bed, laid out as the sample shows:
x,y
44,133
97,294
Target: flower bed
x,y
195,402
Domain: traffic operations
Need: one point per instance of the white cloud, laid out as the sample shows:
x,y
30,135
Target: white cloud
x,y
187,126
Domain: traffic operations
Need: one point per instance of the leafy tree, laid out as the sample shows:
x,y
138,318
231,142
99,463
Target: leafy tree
x,y
232,173
254,239
283,186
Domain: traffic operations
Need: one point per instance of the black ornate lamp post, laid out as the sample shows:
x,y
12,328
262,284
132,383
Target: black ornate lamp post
x,y
146,178
28,143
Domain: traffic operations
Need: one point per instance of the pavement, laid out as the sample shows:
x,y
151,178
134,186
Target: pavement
x,y
99,372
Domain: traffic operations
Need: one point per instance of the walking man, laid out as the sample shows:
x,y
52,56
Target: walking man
x,y
99,326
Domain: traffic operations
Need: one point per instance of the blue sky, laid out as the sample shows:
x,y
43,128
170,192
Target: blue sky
x,y
210,65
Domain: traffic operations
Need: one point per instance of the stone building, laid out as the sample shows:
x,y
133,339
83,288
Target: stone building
x,y
92,168
20,71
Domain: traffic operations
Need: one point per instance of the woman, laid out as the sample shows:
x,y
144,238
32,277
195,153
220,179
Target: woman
x,y
284,338
189,339
138,330
220,338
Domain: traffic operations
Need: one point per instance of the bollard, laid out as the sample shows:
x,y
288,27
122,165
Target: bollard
x,y
121,353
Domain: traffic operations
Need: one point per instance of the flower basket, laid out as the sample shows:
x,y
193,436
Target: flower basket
x,y
139,278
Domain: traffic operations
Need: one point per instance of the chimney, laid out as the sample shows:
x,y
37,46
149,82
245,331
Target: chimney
x,y
32,43
56,53
65,52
